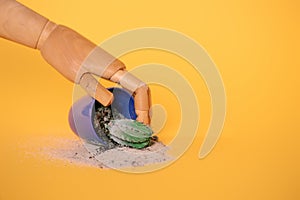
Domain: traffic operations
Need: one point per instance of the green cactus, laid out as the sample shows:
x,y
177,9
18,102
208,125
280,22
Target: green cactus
x,y
130,144
130,133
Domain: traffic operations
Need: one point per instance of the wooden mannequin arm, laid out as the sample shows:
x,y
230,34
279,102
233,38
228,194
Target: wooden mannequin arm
x,y
20,24
60,46
71,54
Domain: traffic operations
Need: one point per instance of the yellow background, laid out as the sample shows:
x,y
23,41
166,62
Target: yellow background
x,y
255,45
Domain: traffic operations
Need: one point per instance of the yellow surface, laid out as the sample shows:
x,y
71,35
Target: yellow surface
x,y
255,45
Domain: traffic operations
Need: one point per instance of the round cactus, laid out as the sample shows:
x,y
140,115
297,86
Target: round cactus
x,y
130,133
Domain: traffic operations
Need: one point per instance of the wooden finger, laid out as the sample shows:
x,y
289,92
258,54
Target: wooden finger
x,y
95,89
142,104
141,92
102,64
143,116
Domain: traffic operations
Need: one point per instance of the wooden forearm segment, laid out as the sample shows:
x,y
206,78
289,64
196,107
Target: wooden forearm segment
x,y
20,24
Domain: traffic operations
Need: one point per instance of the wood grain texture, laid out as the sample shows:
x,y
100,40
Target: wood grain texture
x,y
66,50
71,54
142,104
141,93
20,24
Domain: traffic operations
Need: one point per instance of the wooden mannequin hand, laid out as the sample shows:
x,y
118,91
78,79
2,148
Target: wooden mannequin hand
x,y
74,56
78,59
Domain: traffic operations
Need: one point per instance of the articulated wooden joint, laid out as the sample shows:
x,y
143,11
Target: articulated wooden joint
x,y
47,30
140,90
141,93
102,64
127,80
95,89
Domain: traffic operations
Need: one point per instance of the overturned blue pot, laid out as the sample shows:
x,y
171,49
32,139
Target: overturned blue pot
x,y
82,112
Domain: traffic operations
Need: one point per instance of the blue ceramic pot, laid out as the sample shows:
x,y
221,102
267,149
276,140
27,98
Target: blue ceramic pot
x,y
82,112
